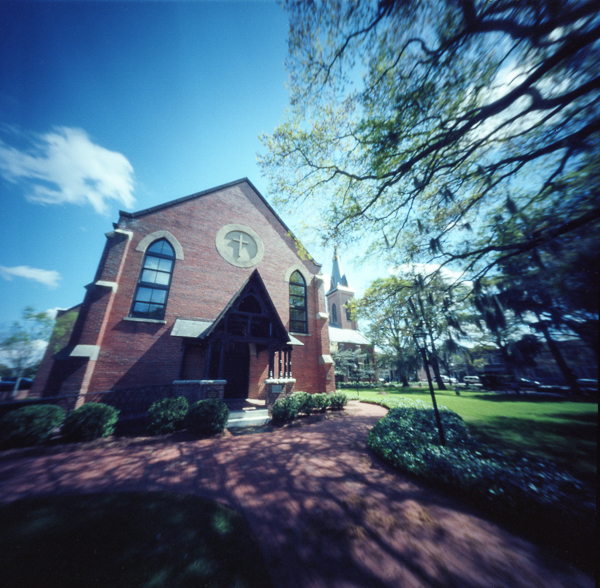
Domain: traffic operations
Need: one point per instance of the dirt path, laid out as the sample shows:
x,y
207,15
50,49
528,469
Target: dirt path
x,y
326,512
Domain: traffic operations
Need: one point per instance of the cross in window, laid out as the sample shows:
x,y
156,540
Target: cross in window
x,y
240,241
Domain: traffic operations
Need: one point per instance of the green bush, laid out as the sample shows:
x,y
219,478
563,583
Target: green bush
x,y
304,402
510,486
337,401
320,402
90,421
207,417
30,425
284,410
167,415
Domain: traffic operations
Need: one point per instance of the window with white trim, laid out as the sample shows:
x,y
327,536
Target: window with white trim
x,y
152,291
298,312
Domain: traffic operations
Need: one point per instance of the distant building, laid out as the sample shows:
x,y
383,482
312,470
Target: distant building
x,y
343,330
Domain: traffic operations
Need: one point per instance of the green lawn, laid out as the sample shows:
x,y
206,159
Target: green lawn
x,y
558,429
148,540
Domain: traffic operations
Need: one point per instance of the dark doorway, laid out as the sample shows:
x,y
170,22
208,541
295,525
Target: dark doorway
x,y
236,368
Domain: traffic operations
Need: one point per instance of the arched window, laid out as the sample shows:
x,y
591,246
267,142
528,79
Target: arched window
x,y
348,313
155,279
298,313
334,315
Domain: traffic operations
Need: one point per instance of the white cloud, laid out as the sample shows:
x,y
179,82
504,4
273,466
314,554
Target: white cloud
x,y
48,277
52,312
64,166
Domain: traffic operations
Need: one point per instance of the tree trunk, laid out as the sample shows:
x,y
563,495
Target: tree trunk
x,y
567,372
436,365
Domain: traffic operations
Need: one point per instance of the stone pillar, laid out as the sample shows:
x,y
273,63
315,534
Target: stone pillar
x,y
277,388
195,390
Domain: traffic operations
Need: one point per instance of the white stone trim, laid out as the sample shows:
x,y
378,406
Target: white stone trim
x,y
206,382
325,359
128,234
221,245
301,269
89,351
149,239
136,319
106,284
322,315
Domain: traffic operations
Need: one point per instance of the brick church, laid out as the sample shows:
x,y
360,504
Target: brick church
x,y
212,287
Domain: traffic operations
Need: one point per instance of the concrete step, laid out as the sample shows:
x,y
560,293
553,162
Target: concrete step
x,y
248,418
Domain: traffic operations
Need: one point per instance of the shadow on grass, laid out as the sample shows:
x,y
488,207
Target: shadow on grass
x,y
123,540
570,442
525,397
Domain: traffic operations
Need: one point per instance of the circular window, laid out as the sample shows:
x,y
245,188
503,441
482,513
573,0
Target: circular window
x,y
239,245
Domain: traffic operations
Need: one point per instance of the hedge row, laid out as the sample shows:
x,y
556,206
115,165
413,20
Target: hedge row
x,y
357,385
203,418
287,409
34,425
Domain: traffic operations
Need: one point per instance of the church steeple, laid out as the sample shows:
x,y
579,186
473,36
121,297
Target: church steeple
x,y
337,277
338,297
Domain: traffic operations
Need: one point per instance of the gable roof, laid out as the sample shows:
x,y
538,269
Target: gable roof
x,y
202,329
158,207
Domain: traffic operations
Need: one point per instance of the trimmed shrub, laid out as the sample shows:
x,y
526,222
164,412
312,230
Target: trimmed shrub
x,y
207,417
284,410
90,421
30,425
167,415
320,402
516,487
337,401
304,402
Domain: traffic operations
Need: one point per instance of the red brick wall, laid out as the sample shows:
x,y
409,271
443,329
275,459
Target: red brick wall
x,y
142,353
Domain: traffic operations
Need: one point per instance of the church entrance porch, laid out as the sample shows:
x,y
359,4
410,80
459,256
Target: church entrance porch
x,y
245,345
232,362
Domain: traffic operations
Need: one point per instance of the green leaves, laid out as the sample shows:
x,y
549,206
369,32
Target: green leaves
x,y
412,120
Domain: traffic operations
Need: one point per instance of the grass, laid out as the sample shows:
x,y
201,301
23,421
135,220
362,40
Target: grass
x,y
149,540
556,428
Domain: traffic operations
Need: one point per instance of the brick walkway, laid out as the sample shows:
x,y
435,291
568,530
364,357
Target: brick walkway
x,y
325,511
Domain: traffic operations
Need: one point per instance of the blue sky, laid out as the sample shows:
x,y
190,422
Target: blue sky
x,y
110,105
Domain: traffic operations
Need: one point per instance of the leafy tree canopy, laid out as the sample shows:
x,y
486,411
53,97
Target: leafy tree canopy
x,y
22,345
428,124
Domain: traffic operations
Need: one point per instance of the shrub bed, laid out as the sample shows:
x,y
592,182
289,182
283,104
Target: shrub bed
x,y
207,417
356,385
90,421
30,425
320,402
304,402
287,409
284,410
337,401
513,488
167,415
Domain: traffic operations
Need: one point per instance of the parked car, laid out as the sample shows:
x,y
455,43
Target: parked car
x,y
472,380
449,380
588,384
527,384
8,384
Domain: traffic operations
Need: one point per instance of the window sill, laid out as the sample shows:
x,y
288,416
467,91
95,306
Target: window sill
x,y
136,319
299,334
